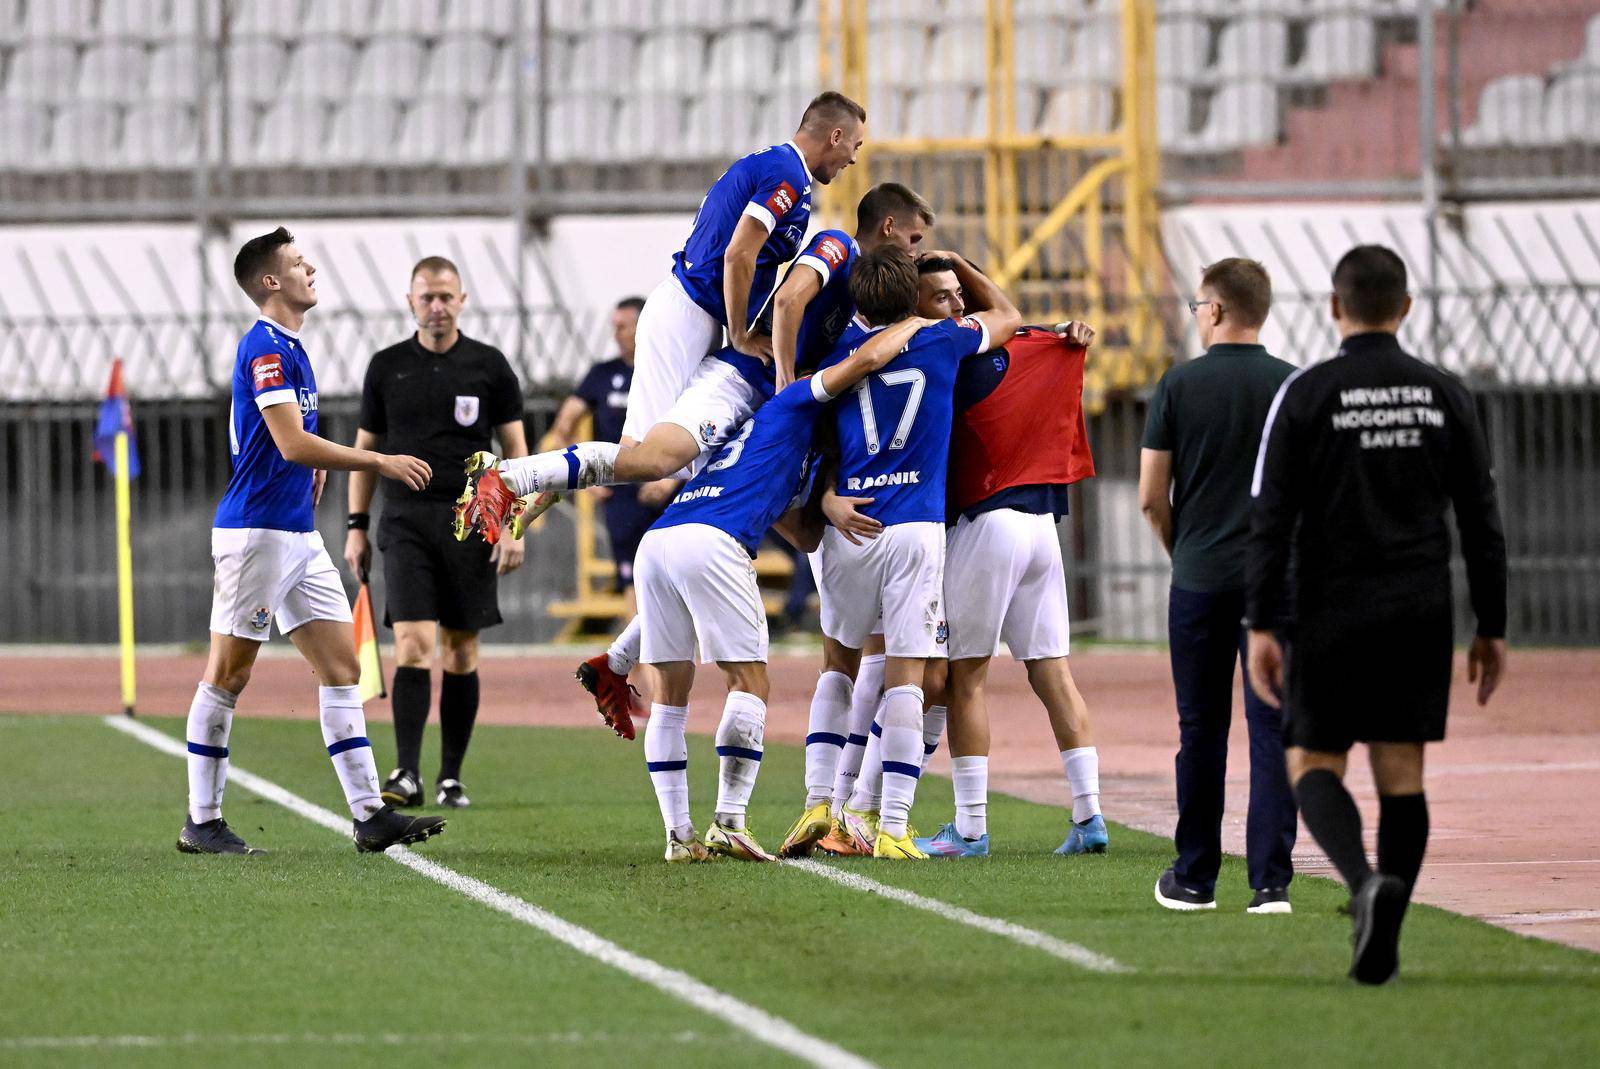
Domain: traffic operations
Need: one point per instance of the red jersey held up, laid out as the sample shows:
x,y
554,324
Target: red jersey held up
x,y
1030,430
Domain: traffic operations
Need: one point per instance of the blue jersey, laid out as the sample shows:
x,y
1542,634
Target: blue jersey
x,y
773,187
831,254
894,425
759,475
271,368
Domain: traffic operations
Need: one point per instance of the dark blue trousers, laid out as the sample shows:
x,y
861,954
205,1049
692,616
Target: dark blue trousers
x,y
1207,639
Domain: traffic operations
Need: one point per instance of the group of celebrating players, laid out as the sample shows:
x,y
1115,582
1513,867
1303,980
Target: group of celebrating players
x,y
928,498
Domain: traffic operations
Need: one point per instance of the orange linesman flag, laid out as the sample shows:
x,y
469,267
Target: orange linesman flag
x,y
367,646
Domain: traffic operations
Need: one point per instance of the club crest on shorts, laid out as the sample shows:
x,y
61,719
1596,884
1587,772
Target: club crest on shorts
x,y
708,432
941,634
261,618
466,411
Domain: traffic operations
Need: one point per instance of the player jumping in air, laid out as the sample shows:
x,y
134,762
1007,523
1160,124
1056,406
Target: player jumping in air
x,y
684,401
697,586
271,563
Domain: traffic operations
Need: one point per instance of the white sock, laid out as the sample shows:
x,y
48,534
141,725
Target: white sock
x,y
1082,767
744,723
933,718
867,795
971,775
864,698
902,756
344,730
825,734
210,721
666,756
623,654
577,467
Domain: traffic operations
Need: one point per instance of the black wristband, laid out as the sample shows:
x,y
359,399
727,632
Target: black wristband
x,y
358,521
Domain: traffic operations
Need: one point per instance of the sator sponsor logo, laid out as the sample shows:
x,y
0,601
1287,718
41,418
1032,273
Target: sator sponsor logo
x,y
266,371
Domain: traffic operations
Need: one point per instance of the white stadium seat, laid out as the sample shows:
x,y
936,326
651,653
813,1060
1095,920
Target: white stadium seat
x,y
114,70
160,135
174,72
1344,46
363,130
648,126
1183,49
956,55
406,18
1572,109
291,133
278,21
1251,48
741,59
57,20
1076,109
490,138
945,111
10,26
1043,51
670,60
83,136
1511,112
464,64
1242,114
898,57
720,125
434,131
42,71
1174,115
389,66
1097,49
580,127
494,17
798,60
139,20
600,60
256,69
320,67
340,18
24,129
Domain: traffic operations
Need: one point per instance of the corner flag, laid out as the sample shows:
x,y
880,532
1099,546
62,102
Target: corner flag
x,y
367,645
116,417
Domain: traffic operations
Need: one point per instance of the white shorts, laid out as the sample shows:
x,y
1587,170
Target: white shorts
x,y
674,335
714,405
824,595
900,575
1004,580
261,574
697,583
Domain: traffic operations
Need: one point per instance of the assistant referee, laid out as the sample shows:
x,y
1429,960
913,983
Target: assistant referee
x,y
1361,457
438,395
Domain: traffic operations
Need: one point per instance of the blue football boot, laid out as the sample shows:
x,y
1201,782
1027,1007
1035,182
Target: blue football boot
x,y
947,842
1086,837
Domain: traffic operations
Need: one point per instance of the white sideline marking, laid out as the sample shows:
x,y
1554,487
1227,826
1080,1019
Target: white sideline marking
x,y
321,1039
763,1026
1080,956
1562,916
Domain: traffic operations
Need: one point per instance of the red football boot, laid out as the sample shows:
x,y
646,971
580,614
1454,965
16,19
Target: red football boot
x,y
486,503
616,701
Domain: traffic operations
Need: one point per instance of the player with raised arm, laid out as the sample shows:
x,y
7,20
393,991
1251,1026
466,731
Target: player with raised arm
x,y
270,560
894,440
696,585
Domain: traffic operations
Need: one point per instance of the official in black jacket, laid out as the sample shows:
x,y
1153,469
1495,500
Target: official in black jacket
x,y
1360,458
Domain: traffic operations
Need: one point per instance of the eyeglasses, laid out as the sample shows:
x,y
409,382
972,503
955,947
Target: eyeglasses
x,y
1194,306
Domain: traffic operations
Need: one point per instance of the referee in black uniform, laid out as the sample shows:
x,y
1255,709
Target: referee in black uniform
x,y
439,395
1360,459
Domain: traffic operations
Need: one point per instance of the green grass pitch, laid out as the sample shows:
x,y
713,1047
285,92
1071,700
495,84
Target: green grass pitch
x,y
319,956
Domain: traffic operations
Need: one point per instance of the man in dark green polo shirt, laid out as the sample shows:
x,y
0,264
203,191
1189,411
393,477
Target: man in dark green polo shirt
x,y
1200,444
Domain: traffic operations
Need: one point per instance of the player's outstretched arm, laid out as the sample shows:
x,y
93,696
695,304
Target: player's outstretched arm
x,y
299,446
878,351
800,286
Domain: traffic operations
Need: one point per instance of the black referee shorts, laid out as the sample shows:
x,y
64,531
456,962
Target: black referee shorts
x,y
1376,669
428,575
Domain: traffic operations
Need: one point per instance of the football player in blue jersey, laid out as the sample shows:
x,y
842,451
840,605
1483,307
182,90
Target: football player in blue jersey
x,y
271,563
680,405
697,587
894,441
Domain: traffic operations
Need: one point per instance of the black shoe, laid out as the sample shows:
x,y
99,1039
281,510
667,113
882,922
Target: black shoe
x,y
386,828
1174,895
1270,900
1377,910
452,795
403,789
212,837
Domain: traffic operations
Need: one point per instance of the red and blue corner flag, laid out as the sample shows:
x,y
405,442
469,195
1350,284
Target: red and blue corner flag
x,y
115,415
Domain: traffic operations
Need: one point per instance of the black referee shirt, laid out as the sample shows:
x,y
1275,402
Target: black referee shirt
x,y
1360,456
440,407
